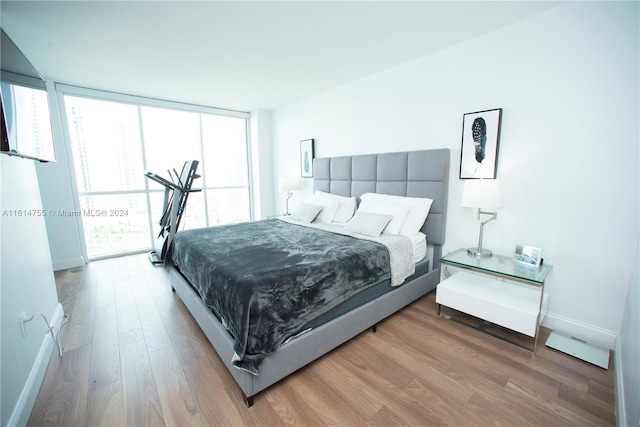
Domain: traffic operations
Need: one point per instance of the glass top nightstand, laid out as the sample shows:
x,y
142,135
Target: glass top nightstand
x,y
499,265
496,295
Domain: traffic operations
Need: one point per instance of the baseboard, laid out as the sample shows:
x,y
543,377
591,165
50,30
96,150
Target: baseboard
x,y
594,336
65,264
27,399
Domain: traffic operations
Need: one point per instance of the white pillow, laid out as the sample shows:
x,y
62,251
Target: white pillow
x,y
328,203
398,213
306,212
369,224
418,209
346,206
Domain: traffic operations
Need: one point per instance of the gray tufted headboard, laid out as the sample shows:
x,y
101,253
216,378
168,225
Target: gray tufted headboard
x,y
422,173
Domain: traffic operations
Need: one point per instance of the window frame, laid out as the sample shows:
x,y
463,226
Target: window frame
x,y
63,90
33,83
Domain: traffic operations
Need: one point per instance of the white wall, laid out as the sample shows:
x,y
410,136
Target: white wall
x,y
27,285
627,355
56,188
567,80
627,352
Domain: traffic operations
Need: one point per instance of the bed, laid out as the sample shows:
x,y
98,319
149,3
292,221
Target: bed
x,y
419,174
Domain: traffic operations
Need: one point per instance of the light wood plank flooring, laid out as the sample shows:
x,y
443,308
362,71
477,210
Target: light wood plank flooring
x,y
134,356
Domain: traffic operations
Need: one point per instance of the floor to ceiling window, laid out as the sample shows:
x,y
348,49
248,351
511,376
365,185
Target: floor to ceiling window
x,y
114,142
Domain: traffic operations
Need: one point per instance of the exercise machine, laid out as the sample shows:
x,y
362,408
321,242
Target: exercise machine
x,y
173,206
176,195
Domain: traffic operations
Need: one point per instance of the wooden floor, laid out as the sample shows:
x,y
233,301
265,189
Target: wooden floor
x,y
134,356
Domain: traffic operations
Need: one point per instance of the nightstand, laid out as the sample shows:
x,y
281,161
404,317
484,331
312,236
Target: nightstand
x,y
495,295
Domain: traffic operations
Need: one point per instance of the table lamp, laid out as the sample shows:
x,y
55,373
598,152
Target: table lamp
x,y
482,194
289,184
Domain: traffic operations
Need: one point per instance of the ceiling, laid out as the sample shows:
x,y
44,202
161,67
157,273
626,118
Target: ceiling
x,y
240,55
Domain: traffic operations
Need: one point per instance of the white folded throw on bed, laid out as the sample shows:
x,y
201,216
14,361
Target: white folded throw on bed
x,y
400,248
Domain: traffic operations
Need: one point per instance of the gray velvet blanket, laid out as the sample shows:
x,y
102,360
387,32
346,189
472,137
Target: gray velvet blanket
x,y
265,280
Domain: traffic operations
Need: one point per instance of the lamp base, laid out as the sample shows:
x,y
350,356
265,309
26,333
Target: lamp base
x,y
479,253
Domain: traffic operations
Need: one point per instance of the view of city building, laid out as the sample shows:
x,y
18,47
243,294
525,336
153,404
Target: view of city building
x,y
26,111
114,143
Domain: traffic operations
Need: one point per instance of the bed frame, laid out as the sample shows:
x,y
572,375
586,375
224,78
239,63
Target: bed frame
x,y
416,174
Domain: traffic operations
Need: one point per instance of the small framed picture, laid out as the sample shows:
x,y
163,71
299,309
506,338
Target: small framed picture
x,y
528,255
480,139
306,158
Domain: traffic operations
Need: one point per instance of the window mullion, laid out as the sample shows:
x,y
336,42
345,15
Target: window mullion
x,y
248,160
146,181
204,178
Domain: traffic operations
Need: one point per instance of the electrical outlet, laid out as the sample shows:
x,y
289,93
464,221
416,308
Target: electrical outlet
x,y
23,324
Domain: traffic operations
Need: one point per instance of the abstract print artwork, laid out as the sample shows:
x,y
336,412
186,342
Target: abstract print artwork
x,y
306,158
480,139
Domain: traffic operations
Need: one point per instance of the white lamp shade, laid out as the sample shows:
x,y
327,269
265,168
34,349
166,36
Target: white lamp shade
x,y
481,193
289,183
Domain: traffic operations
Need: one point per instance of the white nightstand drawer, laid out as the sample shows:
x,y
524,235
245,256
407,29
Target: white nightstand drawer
x,y
510,304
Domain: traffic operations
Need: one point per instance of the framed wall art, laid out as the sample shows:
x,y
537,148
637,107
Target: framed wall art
x,y
480,140
306,158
